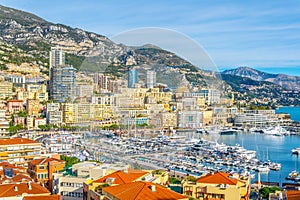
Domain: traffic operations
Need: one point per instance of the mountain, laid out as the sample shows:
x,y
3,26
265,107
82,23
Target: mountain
x,y
25,37
36,35
286,81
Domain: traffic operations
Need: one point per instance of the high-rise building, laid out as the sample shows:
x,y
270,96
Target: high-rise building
x,y
132,77
56,57
151,79
62,83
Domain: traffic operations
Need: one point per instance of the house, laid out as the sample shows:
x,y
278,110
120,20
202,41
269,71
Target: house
x,y
218,185
41,170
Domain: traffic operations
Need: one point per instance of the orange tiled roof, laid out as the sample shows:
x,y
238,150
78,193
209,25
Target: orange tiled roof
x,y
292,195
142,190
8,165
39,197
8,190
218,178
14,100
121,177
44,160
17,141
21,177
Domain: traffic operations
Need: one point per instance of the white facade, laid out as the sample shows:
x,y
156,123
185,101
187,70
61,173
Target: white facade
x,y
189,119
151,79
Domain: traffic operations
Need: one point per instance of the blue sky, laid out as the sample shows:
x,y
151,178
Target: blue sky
x,y
259,34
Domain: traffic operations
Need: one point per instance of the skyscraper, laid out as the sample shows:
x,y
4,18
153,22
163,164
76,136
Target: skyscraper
x,y
62,83
56,57
132,77
151,79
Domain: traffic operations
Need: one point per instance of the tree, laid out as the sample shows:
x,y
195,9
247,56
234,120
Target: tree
x,y
70,160
265,192
45,127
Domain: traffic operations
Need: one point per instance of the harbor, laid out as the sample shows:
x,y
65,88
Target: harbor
x,y
191,153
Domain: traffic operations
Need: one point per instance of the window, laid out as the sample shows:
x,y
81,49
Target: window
x,y
190,118
42,167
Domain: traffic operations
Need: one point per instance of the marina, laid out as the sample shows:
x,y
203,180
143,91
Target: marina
x,y
271,154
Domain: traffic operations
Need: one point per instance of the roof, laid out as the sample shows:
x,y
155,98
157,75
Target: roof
x,y
24,178
12,166
39,197
142,190
14,100
11,190
15,141
218,178
121,177
45,160
292,195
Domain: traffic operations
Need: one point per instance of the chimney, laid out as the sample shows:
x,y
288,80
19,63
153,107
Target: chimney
x,y
29,185
153,188
15,188
126,170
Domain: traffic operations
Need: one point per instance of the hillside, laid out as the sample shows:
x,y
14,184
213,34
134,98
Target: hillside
x,y
286,81
36,35
25,37
261,92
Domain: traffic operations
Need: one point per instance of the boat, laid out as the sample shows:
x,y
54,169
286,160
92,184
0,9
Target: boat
x,y
292,175
296,151
201,131
277,131
228,132
263,169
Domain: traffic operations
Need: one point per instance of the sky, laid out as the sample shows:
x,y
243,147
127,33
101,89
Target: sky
x,y
261,34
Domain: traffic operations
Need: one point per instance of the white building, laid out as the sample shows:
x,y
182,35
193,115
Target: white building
x,y
69,184
84,90
4,123
54,114
189,119
56,57
151,79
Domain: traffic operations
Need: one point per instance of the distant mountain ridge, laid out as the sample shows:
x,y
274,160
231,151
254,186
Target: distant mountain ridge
x,y
286,81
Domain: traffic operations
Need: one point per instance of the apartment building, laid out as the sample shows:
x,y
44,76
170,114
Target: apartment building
x,y
19,151
5,89
4,123
54,114
14,106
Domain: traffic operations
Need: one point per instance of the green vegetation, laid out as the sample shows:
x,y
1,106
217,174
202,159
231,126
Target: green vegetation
x,y
173,180
113,126
191,178
70,128
15,129
196,79
74,60
142,125
69,160
257,107
265,192
22,113
114,70
157,172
